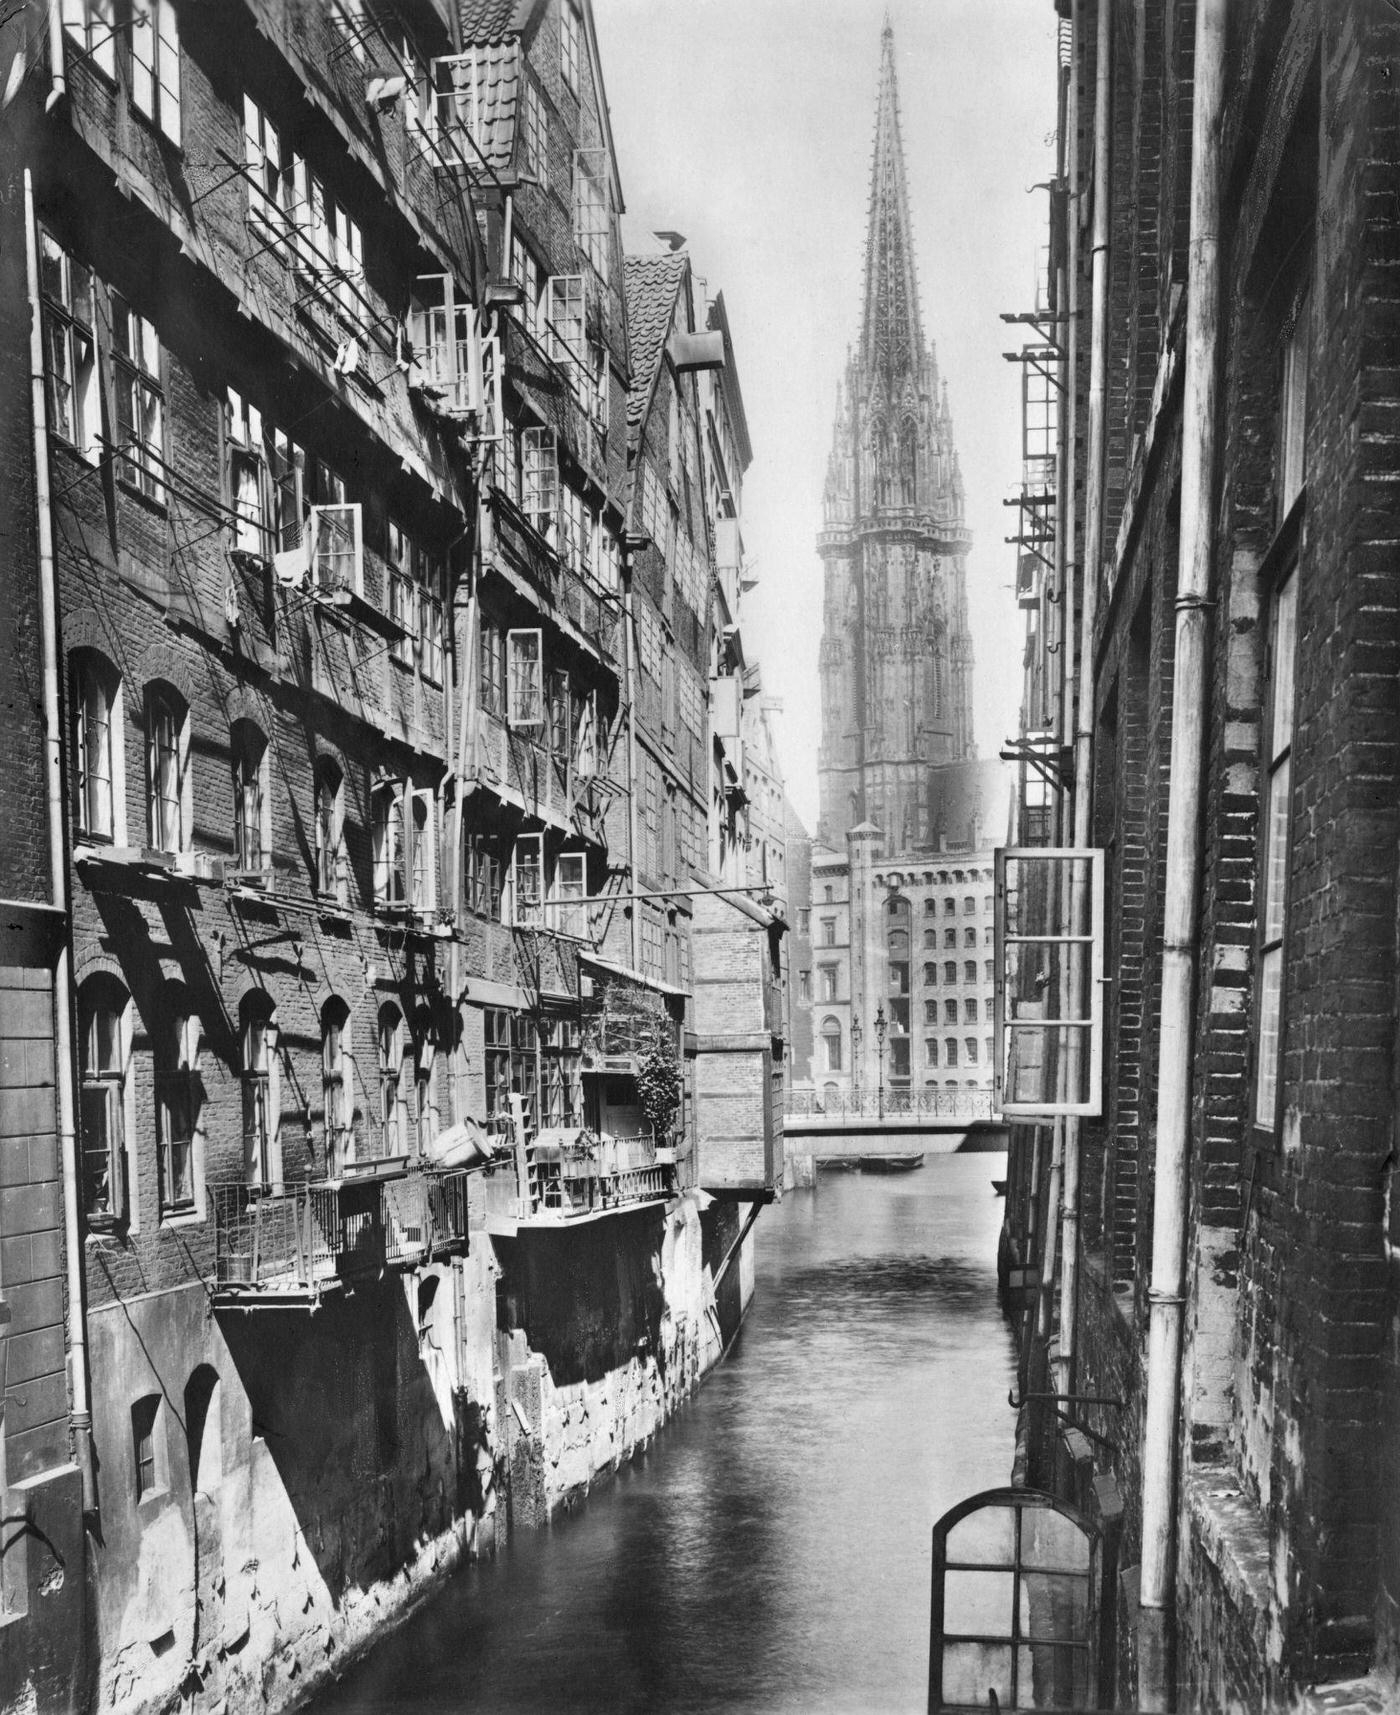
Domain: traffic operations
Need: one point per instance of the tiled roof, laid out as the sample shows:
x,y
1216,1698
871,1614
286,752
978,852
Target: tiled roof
x,y
651,283
497,73
491,20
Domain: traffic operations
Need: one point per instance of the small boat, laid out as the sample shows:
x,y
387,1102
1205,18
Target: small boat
x,y
890,1163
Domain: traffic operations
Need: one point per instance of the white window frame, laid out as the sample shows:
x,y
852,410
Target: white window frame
x,y
140,399
337,1087
166,798
534,135
258,1068
525,699
262,160
252,809
70,350
331,867
539,485
420,828
337,547
453,358
110,1084
92,25
95,691
569,895
155,64
1081,1034
389,837
527,892
565,301
592,213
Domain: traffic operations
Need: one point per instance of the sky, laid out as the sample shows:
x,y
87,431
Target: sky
x,y
747,125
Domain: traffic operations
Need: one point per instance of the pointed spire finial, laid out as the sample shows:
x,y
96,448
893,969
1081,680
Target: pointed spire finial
x,y
892,338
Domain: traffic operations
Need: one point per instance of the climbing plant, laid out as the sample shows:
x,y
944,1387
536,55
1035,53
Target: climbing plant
x,y
659,1082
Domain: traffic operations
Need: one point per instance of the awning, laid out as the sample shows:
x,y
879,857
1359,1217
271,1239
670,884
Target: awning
x,y
654,983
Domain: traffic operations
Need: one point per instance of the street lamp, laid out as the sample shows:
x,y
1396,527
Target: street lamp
x,y
880,1028
856,1034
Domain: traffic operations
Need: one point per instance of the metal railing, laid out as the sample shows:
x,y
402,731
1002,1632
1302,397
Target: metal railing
x,y
296,1239
967,1105
589,1177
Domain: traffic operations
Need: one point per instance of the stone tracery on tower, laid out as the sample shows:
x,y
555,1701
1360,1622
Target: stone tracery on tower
x,y
896,656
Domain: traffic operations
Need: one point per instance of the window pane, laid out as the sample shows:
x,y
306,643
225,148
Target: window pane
x,y
1270,996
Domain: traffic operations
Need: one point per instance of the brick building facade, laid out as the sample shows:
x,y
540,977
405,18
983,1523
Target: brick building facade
x,y
383,748
1247,431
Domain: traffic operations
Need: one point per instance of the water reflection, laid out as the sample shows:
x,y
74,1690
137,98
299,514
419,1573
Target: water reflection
x,y
771,1551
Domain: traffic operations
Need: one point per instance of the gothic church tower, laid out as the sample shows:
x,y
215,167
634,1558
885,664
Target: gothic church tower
x,y
896,653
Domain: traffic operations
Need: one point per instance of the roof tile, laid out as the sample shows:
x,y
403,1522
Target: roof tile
x,y
651,283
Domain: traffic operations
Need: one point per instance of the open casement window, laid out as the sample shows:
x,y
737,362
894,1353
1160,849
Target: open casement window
x,y
1049,989
1275,839
459,100
140,400
393,1128
566,342
568,909
247,478
422,851
94,689
155,64
1293,405
179,1105
534,136
104,1058
482,876
390,871
453,361
337,1086
337,549
331,868
539,481
1016,1603
70,361
559,711
91,26
527,881
328,247
262,161
258,1043
252,846
167,769
403,596
585,736
593,209
525,681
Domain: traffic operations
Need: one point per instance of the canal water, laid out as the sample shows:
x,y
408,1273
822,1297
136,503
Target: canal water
x,y
771,1550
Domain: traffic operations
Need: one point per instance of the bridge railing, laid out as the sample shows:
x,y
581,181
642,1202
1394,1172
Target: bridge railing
x,y
962,1105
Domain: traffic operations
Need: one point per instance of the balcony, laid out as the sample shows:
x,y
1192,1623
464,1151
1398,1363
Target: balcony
x,y
279,1244
568,1174
580,606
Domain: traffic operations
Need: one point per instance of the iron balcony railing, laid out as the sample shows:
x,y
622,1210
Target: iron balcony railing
x,y
297,1240
872,1104
590,1176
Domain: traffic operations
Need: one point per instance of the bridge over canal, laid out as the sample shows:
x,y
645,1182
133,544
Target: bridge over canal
x,y
856,1125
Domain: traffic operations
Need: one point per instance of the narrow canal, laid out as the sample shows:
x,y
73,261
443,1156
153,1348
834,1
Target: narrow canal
x,y
770,1553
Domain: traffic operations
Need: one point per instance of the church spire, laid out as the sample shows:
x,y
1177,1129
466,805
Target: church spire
x,y
891,335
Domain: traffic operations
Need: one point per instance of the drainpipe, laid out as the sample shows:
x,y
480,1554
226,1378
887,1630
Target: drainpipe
x,y
631,670
1190,689
1088,607
58,82
80,1415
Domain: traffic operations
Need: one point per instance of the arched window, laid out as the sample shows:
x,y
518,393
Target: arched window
x,y
331,874
392,1140
969,905
251,840
950,971
970,1050
257,1029
150,1460
969,970
831,1045
204,1430
424,1054
390,879
176,1045
951,1052
169,797
930,937
930,973
337,1086
969,1012
104,1053
95,699
931,1051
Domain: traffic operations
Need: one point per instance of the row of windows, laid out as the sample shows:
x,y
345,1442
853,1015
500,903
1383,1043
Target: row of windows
x,y
404,818
146,42
521,1057
970,1050
828,977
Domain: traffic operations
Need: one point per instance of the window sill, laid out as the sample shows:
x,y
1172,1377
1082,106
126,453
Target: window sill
x,y
177,1218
